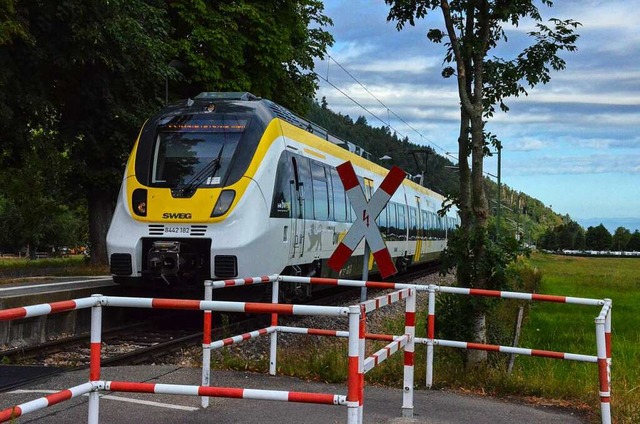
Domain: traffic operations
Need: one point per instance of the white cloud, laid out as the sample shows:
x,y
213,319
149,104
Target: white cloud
x,y
349,51
412,65
565,165
527,145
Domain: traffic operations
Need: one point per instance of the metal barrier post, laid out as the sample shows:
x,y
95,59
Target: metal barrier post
x,y
607,336
273,347
362,343
409,349
93,415
353,378
206,342
603,368
431,334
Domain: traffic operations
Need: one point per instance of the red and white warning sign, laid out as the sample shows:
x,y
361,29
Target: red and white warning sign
x,y
366,214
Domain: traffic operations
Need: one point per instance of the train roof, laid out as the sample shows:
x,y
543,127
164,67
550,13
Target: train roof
x,y
266,110
277,111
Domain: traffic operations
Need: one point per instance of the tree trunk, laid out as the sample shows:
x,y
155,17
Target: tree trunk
x,y
100,213
477,358
463,270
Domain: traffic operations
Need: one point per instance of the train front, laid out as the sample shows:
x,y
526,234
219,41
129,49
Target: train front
x,y
185,176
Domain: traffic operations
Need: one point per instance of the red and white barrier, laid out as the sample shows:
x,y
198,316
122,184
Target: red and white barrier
x,y
355,369
516,350
224,306
603,336
522,296
383,354
242,337
16,411
46,309
206,341
604,361
225,392
238,282
410,331
431,334
345,283
356,334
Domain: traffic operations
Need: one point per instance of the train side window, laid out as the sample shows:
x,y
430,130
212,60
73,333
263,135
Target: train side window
x,y
402,216
432,225
393,219
339,197
368,188
425,221
413,222
320,191
382,221
306,187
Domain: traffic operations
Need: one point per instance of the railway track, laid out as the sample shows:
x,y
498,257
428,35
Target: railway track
x,y
142,343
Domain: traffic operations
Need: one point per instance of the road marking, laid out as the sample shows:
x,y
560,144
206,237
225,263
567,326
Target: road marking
x,y
118,398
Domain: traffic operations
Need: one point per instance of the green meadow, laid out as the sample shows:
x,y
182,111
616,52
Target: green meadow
x,y
571,328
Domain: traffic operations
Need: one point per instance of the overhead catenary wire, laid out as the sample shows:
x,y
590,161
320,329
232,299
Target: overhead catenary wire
x,y
389,110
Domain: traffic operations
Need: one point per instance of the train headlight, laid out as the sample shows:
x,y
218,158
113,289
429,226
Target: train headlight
x,y
139,201
224,202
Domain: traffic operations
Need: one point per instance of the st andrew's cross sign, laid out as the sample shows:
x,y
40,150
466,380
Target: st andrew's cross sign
x,y
365,224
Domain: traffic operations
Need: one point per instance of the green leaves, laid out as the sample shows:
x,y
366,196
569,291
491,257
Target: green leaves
x,y
85,75
251,45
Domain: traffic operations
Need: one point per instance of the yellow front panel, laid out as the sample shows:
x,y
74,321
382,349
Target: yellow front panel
x,y
162,206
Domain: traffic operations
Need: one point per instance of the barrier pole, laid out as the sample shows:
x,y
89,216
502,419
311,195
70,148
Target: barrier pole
x,y
409,349
93,414
273,347
607,336
16,411
362,345
431,334
603,369
353,379
206,342
365,270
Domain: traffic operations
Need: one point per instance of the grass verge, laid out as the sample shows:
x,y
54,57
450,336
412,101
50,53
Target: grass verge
x,y
14,269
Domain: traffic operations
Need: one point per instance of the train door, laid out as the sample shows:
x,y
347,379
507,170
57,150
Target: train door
x,y
297,210
419,235
368,194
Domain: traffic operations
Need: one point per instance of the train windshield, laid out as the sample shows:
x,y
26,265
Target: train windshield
x,y
195,152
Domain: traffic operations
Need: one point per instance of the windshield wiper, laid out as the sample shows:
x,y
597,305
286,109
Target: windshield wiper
x,y
196,181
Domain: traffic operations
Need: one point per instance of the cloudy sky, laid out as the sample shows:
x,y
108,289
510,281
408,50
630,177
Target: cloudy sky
x,y
574,143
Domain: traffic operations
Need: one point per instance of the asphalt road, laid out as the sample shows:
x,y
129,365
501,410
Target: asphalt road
x,y
381,405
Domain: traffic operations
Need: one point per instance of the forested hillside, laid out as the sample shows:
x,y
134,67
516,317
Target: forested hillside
x,y
520,213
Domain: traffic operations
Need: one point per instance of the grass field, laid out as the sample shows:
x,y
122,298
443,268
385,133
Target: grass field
x,y
569,328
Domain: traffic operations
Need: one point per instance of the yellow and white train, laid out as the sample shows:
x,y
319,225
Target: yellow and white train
x,y
229,185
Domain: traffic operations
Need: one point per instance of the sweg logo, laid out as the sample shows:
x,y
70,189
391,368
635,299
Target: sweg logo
x,y
176,215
